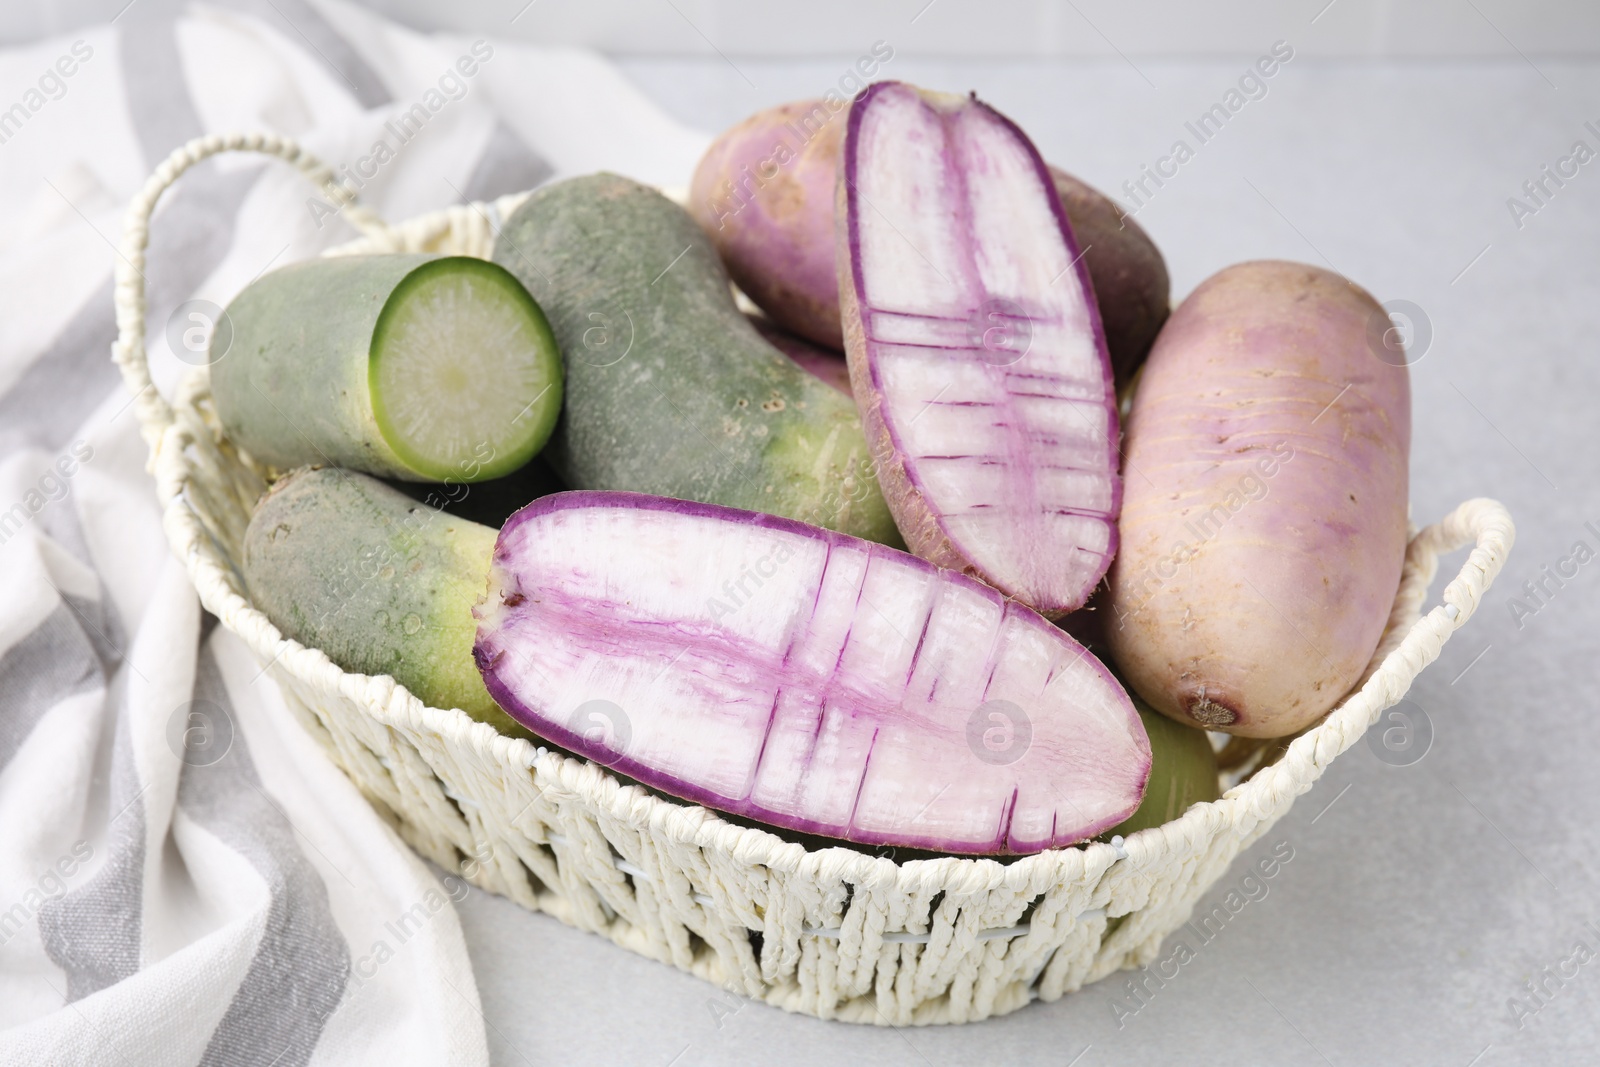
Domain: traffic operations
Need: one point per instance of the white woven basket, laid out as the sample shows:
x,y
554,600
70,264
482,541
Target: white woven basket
x,y
832,932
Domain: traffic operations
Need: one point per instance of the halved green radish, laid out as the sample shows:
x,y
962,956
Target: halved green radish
x,y
423,368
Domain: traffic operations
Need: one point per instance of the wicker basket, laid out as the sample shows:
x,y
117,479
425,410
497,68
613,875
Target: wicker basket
x,y
833,932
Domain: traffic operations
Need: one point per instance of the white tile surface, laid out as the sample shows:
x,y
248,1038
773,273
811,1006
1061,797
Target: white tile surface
x,y
995,28
1001,28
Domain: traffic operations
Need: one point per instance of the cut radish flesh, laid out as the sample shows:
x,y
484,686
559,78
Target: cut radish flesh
x,y
804,678
975,347
465,373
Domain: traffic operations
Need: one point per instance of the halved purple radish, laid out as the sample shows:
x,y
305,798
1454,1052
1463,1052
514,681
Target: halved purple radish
x,y
803,678
975,347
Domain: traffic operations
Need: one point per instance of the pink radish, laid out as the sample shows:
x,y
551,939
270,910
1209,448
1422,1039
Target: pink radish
x,y
763,192
1265,534
804,678
975,347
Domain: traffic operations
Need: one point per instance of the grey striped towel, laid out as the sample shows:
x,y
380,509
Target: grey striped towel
x,y
184,877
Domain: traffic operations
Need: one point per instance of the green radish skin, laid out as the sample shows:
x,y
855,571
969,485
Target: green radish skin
x,y
349,361
1183,771
670,390
824,364
378,582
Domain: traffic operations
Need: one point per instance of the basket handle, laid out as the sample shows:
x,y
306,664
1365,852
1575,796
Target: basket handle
x,y
1486,525
1483,523
128,351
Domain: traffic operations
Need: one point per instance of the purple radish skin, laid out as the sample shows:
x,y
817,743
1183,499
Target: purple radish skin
x,y
1131,286
764,194
807,679
975,347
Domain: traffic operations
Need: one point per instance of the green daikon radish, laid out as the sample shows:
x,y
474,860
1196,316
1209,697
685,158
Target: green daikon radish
x,y
380,583
1183,771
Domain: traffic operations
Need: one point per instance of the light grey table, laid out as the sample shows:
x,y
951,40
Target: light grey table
x,y
1420,899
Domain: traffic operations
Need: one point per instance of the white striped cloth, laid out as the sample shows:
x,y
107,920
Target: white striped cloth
x,y
184,877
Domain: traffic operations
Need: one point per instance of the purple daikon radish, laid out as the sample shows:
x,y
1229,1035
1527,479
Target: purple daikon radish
x,y
804,678
975,347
